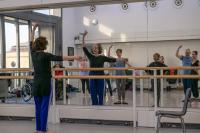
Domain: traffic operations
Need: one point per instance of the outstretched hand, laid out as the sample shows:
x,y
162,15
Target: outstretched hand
x,y
35,25
180,46
78,58
110,46
85,33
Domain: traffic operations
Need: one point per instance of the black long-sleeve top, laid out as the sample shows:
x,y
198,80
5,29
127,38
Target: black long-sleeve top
x,y
97,61
156,64
42,71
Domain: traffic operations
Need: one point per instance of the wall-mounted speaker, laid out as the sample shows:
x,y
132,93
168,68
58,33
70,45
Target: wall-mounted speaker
x,y
125,6
92,8
178,3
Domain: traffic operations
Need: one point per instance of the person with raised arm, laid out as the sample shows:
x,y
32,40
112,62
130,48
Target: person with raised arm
x,y
42,78
97,60
186,61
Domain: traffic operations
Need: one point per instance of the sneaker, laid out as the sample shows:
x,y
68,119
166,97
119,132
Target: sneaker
x,y
112,97
118,102
154,106
124,102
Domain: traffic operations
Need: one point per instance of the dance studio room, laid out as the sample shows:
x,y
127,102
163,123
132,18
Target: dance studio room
x,y
101,66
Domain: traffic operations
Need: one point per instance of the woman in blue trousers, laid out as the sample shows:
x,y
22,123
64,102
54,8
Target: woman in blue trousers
x,y
96,61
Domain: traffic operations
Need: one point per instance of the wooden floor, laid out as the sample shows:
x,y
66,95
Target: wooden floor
x,y
29,126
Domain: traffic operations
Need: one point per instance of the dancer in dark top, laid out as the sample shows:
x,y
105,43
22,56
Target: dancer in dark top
x,y
42,78
97,60
194,82
156,63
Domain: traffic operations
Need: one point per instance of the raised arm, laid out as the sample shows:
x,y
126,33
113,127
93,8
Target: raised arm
x,y
83,41
109,49
33,34
177,52
85,50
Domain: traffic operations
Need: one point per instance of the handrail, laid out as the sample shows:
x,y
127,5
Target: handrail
x,y
16,77
103,76
101,69
16,70
108,77
127,77
127,68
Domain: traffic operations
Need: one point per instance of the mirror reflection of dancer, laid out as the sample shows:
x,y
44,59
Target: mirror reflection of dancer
x,y
83,64
156,63
121,83
42,78
186,61
194,82
97,60
162,59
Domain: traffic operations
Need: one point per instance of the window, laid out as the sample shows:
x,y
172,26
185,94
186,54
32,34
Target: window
x,y
11,44
24,44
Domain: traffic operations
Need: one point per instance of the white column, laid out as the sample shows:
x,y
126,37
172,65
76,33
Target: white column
x,y
64,88
155,96
134,100
68,101
141,89
54,91
53,107
162,89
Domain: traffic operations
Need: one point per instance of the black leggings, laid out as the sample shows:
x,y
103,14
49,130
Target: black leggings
x,y
109,86
85,81
194,87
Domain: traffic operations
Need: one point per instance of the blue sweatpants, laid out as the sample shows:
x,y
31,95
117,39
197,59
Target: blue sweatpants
x,y
97,91
186,84
41,112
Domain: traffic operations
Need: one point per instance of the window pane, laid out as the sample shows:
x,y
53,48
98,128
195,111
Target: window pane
x,y
24,45
45,11
1,43
11,48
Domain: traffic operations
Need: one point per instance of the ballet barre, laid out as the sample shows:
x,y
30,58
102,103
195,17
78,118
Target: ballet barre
x,y
16,70
128,77
127,68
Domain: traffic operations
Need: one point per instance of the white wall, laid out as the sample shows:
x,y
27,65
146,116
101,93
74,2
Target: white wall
x,y
141,53
138,25
166,22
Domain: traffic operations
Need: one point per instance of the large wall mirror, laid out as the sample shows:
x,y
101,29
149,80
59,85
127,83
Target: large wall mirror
x,y
139,32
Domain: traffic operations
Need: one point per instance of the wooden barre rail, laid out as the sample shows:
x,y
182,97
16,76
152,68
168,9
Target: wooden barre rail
x,y
128,77
108,77
101,69
16,70
127,68
16,77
